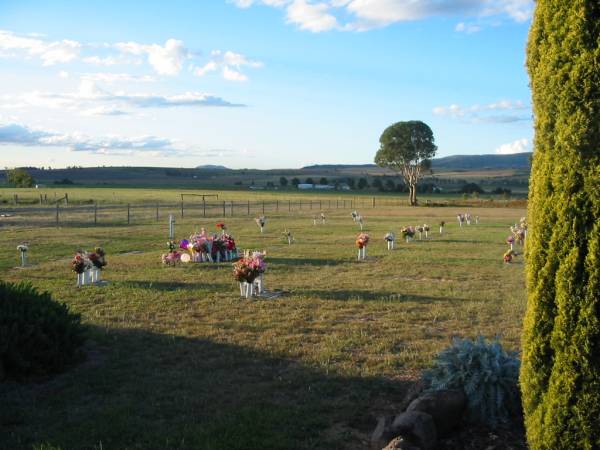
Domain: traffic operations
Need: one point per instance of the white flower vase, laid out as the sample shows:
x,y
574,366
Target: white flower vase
x,y
426,234
390,245
315,222
289,240
80,279
248,289
258,285
441,230
420,235
87,276
218,257
94,275
512,246
23,259
460,223
476,220
242,289
261,229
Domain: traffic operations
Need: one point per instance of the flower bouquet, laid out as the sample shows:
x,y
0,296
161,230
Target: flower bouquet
x,y
221,226
362,240
510,240
98,262
390,238
248,269
468,218
23,248
354,215
261,222
173,257
229,246
420,229
408,233
461,219
442,223
426,230
323,218
508,256
217,250
81,265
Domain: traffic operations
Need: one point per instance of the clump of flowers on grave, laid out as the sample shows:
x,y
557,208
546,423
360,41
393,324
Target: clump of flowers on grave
x,y
261,221
510,240
23,248
389,237
354,215
408,232
221,226
173,257
426,228
508,256
80,263
362,240
99,259
249,267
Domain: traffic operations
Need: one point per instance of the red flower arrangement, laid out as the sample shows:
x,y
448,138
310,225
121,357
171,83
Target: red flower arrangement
x,y
362,240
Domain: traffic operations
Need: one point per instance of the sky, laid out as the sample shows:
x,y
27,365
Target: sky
x,y
257,83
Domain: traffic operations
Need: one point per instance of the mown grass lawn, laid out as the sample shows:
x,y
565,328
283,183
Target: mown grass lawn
x,y
176,360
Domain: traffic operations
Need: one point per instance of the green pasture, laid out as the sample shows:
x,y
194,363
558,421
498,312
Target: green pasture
x,y
177,360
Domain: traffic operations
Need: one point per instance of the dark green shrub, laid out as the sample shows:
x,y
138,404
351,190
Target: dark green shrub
x,y
38,336
487,374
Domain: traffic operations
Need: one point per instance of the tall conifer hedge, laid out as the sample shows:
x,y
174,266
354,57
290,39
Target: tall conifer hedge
x,y
560,375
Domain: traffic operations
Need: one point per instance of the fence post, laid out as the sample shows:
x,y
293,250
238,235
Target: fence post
x,y
373,202
223,208
248,207
203,206
182,205
263,207
277,205
231,208
41,199
289,205
128,214
95,213
16,199
56,213
157,211
310,204
66,199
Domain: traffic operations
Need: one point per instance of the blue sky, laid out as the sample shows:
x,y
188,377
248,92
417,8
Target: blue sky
x,y
257,83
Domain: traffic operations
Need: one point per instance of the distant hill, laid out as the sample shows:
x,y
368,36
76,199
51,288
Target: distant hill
x,y
212,167
483,162
520,161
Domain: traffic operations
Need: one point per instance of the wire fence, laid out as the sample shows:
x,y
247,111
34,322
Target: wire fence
x,y
61,214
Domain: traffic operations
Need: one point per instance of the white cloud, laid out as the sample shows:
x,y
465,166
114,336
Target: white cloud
x,y
313,17
518,146
90,99
363,15
109,77
18,134
467,28
50,52
166,60
486,113
230,63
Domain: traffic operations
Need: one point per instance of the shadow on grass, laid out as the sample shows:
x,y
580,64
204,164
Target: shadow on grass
x,y
174,285
155,391
306,261
374,296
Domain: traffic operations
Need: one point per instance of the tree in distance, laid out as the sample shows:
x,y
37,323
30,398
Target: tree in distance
x,y
363,184
295,182
407,148
19,178
323,180
310,181
283,181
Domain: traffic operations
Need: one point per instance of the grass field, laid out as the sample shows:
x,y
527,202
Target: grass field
x,y
176,360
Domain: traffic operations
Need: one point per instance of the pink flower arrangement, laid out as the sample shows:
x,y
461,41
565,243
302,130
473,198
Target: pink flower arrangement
x,y
362,240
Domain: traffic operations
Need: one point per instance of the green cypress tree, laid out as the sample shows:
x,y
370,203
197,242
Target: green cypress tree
x,y
560,375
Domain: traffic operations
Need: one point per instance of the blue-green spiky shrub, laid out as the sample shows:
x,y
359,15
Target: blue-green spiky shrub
x,y
487,374
38,336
